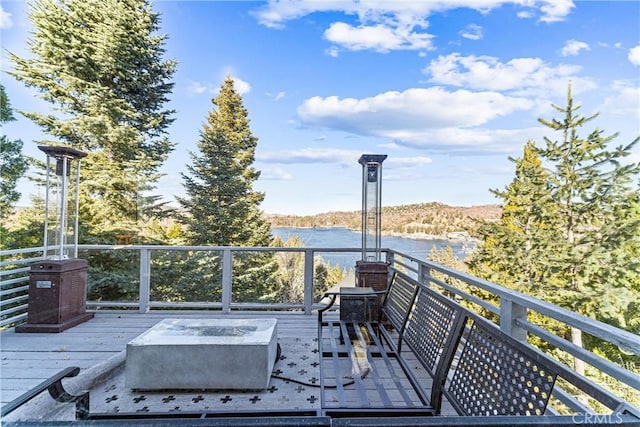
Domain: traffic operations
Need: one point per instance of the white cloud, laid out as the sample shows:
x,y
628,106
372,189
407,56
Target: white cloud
x,y
5,19
573,48
519,76
555,10
276,97
275,174
241,86
525,14
634,55
475,141
333,51
624,100
416,117
277,12
198,88
379,37
407,162
472,32
310,155
383,26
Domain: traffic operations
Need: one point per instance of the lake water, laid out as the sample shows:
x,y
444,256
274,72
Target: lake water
x,y
340,237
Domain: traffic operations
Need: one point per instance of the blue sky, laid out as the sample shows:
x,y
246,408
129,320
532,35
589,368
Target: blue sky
x,y
447,89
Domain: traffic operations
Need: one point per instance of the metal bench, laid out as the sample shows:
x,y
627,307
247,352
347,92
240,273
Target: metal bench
x,y
443,351
380,379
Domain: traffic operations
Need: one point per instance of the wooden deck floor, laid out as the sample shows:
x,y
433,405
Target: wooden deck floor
x,y
29,358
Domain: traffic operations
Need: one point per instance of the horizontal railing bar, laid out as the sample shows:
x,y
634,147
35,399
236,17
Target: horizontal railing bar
x,y
20,251
259,306
14,290
594,360
204,305
406,266
466,296
14,309
13,300
14,281
14,271
22,261
93,304
220,248
15,319
161,304
571,402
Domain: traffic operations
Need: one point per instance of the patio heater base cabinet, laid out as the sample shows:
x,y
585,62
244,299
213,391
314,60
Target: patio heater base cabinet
x,y
372,274
57,296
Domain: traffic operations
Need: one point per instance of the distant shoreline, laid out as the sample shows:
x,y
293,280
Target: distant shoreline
x,y
458,237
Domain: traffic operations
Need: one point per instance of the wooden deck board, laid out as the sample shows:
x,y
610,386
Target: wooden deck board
x,y
29,358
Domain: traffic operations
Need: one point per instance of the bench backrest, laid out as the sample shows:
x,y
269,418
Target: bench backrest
x,y
431,326
495,374
399,300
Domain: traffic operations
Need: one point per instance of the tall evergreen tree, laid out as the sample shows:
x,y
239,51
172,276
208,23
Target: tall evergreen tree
x,y
514,249
223,209
99,62
587,226
591,186
13,165
221,206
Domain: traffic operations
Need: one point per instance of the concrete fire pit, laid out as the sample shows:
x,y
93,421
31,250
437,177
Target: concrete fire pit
x,y
203,354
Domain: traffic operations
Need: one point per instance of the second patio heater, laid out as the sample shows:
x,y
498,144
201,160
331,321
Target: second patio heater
x,y
371,271
58,285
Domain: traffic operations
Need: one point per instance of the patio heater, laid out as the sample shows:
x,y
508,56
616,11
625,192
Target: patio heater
x,y
371,271
58,285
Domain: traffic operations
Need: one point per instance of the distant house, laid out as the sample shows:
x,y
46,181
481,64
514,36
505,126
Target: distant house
x,y
458,235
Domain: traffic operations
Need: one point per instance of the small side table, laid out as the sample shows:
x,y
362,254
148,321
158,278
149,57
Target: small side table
x,y
358,304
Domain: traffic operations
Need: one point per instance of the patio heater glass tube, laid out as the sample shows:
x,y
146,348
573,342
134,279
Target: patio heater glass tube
x,y
57,208
371,205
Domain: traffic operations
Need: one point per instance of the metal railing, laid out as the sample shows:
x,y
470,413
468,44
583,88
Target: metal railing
x,y
512,310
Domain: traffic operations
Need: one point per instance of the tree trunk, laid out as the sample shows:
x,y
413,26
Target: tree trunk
x,y
576,338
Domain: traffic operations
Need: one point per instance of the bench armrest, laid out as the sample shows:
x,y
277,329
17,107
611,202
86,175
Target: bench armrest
x,y
333,296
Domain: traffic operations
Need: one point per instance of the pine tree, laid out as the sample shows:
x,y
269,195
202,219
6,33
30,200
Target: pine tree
x,y
514,249
99,62
221,206
585,226
13,165
591,187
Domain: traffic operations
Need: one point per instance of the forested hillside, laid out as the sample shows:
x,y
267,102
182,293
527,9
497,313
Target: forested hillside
x,y
432,218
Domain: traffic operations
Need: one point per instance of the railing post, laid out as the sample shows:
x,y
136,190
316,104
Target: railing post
x,y
421,269
390,258
308,280
226,280
424,271
145,280
509,313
